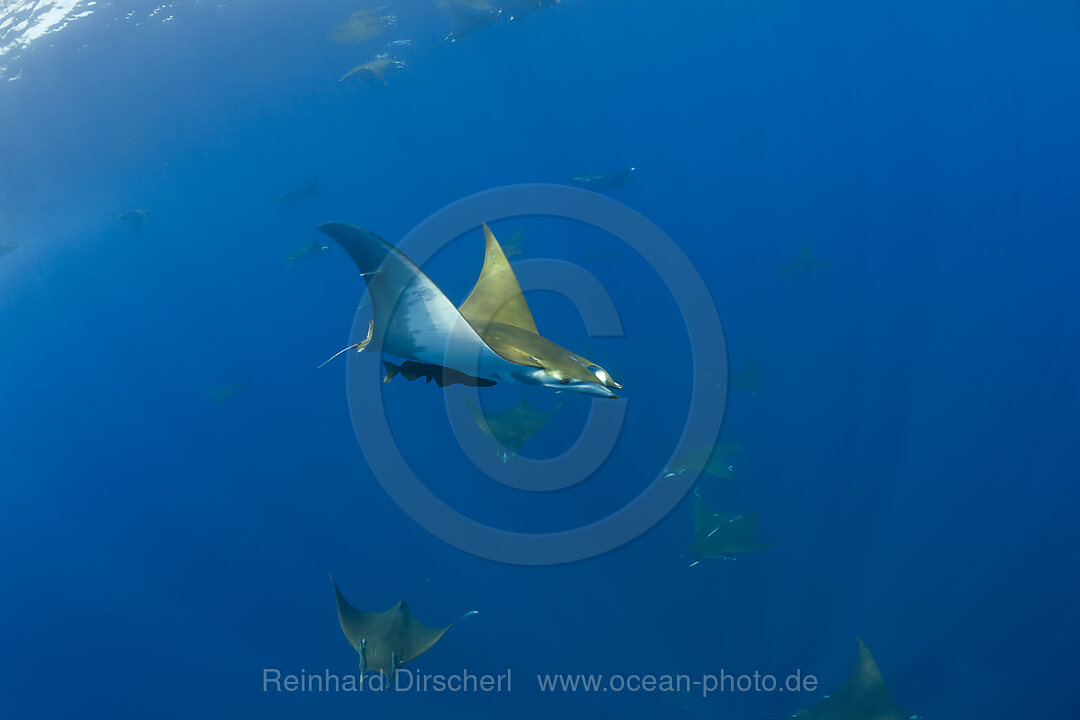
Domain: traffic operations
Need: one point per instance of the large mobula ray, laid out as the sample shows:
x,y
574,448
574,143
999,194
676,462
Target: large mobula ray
x,y
490,338
511,428
722,535
863,697
386,640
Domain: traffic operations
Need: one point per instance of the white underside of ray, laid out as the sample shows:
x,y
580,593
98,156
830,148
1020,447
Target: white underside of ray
x,y
414,320
423,325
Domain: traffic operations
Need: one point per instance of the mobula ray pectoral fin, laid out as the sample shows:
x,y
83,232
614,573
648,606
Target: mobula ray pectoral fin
x,y
497,296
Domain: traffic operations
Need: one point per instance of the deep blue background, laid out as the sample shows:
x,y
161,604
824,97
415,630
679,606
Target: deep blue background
x,y
912,446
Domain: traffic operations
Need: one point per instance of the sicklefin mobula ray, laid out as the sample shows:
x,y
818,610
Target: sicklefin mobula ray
x,y
386,640
722,535
863,697
511,429
490,338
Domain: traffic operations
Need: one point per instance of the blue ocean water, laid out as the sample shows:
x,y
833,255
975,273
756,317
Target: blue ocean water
x,y
909,448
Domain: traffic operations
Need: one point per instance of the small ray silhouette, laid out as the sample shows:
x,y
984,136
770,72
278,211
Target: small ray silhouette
x,y
606,181
722,535
863,697
470,16
135,218
311,249
478,5
519,8
510,429
298,195
374,70
515,245
803,264
386,640
219,395
712,459
5,249
746,379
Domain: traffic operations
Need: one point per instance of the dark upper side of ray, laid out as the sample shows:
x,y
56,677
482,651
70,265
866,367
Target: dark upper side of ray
x,y
511,428
497,296
524,347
